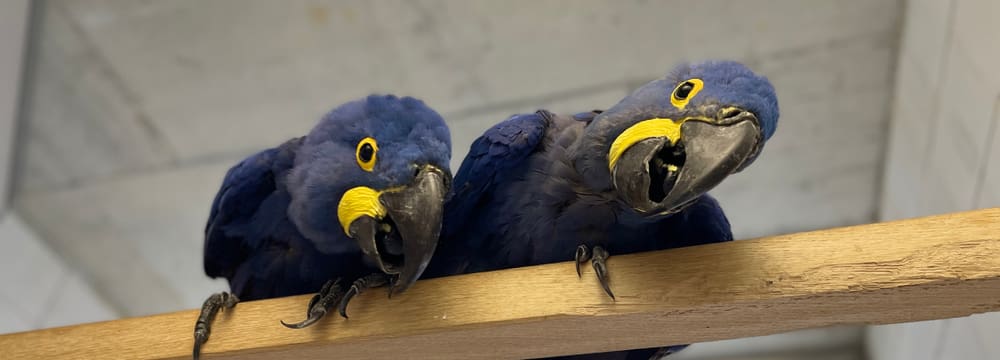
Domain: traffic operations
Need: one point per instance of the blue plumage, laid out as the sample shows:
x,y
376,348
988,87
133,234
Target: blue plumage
x,y
334,204
272,229
518,201
541,188
250,240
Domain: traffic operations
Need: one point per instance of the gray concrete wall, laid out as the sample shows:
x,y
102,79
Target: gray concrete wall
x,y
13,33
36,288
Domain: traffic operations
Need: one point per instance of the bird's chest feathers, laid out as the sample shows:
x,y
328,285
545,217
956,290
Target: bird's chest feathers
x,y
562,212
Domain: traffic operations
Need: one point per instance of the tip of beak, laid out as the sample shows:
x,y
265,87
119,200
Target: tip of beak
x,y
396,287
400,285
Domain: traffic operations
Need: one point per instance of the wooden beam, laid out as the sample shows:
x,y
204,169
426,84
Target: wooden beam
x,y
919,269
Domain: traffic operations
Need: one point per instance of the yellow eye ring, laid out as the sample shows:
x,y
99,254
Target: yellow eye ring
x,y
366,153
685,91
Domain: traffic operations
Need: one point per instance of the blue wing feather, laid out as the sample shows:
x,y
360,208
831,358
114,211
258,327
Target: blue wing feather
x,y
250,240
491,159
244,188
491,156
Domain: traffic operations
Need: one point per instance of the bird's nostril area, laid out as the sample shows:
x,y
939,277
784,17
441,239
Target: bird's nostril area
x,y
730,113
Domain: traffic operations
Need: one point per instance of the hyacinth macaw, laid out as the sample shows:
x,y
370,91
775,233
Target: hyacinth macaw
x,y
541,188
355,204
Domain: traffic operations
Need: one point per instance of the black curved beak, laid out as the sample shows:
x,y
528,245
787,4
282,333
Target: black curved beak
x,y
656,176
403,241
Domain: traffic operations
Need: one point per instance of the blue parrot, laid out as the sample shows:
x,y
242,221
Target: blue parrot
x,y
541,188
359,198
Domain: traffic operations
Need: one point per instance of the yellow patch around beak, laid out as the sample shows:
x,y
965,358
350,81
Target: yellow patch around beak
x,y
358,202
652,128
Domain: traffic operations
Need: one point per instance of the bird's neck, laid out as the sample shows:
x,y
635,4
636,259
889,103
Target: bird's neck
x,y
589,160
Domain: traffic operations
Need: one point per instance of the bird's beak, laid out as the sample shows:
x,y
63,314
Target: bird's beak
x,y
400,235
664,172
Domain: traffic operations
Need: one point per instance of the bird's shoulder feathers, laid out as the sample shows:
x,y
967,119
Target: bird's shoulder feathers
x,y
235,216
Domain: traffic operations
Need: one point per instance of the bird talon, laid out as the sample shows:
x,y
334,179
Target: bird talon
x,y
342,305
312,319
199,338
371,281
599,261
315,313
320,304
328,286
203,326
582,255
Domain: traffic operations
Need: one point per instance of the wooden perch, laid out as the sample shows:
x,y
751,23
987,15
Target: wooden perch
x,y
920,269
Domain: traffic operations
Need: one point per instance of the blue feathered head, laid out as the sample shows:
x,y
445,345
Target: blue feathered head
x,y
675,138
375,170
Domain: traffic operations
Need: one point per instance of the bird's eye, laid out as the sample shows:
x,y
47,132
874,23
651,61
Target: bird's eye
x,y
365,154
685,91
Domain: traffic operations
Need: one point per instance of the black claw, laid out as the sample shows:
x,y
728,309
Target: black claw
x,y
203,326
320,304
198,340
342,307
312,319
312,303
582,255
323,292
599,262
371,281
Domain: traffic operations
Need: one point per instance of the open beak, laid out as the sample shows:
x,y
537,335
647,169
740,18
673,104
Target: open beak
x,y
661,175
402,240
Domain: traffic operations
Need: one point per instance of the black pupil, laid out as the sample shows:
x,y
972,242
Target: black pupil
x,y
366,153
684,91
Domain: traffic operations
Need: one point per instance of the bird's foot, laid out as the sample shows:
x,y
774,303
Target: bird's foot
x,y
368,282
203,327
320,304
598,257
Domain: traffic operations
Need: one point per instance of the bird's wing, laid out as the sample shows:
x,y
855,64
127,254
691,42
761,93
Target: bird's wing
x,y
490,160
493,159
229,233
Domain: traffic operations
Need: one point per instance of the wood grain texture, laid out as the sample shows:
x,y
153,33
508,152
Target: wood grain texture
x,y
928,268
